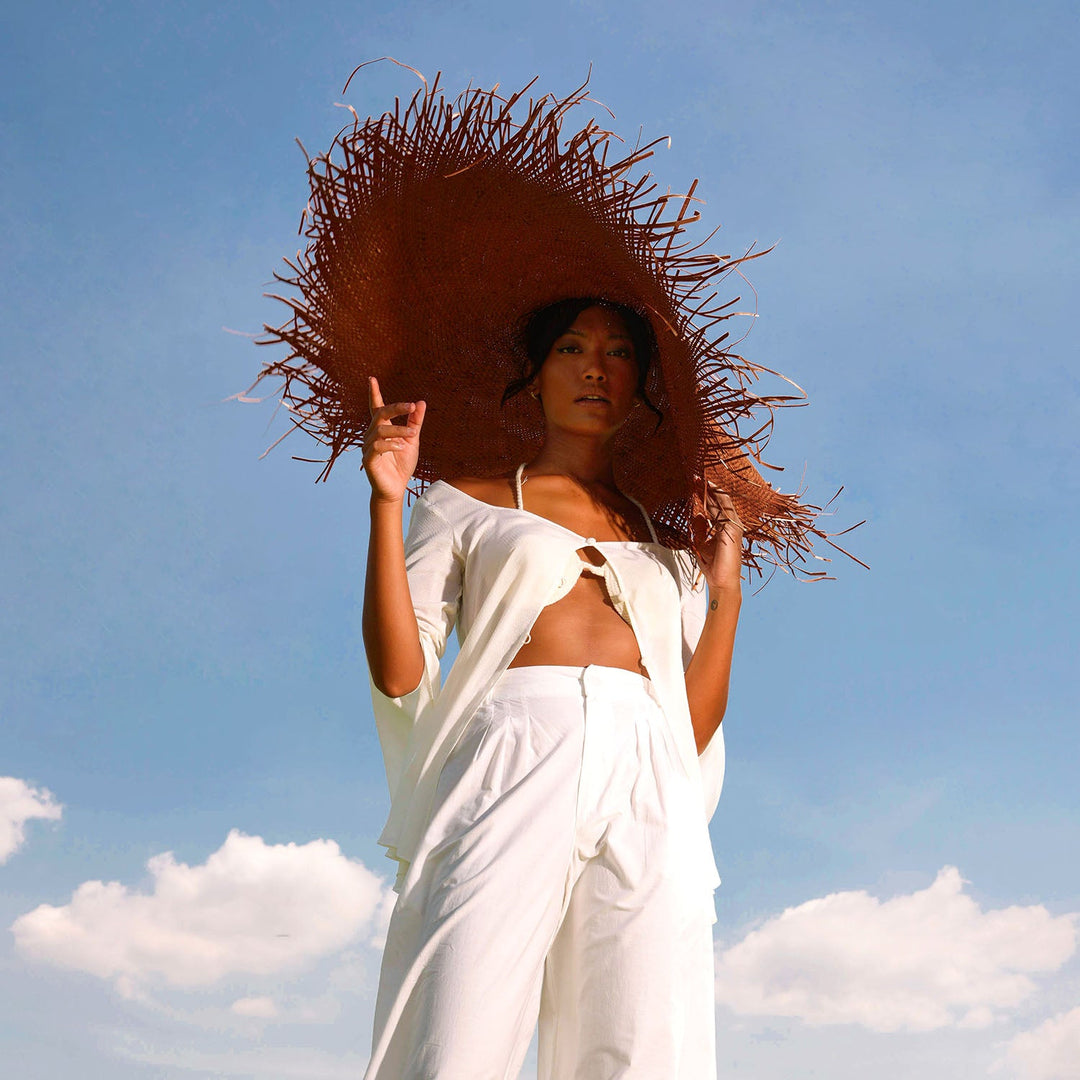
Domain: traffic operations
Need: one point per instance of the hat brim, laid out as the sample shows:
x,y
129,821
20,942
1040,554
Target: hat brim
x,y
431,237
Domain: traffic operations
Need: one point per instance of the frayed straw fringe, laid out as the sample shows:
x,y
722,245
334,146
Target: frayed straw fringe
x,y
513,188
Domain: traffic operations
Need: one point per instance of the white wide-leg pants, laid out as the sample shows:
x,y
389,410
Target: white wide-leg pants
x,y
561,876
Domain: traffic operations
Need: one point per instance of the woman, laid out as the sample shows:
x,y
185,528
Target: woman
x,y
559,863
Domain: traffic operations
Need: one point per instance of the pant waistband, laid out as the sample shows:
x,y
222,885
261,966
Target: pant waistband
x,y
552,678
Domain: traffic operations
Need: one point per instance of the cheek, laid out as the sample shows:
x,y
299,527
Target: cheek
x,y
628,380
555,376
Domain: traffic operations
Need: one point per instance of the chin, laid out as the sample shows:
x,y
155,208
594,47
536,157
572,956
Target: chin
x,y
598,427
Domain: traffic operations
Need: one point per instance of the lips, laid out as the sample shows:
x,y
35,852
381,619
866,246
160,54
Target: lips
x,y
594,399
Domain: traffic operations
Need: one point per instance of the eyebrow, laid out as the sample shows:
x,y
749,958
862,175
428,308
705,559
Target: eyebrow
x,y
611,337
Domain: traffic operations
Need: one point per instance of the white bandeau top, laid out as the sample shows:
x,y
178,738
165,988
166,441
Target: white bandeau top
x,y
490,571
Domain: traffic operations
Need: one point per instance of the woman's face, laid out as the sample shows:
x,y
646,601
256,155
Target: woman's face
x,y
588,383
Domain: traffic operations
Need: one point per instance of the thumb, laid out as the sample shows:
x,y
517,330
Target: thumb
x,y
699,529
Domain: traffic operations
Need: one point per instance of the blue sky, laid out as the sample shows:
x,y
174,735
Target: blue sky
x,y
180,654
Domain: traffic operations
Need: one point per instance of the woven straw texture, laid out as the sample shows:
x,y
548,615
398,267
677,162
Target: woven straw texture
x,y
433,231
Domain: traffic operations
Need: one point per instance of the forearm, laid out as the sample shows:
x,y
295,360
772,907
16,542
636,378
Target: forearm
x,y
708,675
391,637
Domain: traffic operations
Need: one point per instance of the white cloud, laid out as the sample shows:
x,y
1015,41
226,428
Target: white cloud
x,y
252,908
1049,1052
920,961
20,803
262,1008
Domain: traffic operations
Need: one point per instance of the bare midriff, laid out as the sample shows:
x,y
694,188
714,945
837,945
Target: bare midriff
x,y
582,628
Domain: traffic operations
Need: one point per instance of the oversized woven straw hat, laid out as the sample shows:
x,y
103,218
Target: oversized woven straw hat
x,y
435,229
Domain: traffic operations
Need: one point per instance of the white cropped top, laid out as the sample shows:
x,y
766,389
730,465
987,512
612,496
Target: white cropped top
x,y
490,571
586,567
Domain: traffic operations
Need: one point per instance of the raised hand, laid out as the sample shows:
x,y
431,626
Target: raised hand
x,y
391,450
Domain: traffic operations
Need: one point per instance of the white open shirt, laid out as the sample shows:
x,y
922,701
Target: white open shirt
x,y
491,570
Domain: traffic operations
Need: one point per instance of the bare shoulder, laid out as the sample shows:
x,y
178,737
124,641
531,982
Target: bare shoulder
x,y
496,490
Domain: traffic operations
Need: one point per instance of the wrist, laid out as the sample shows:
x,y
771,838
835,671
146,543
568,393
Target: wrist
x,y
725,597
386,503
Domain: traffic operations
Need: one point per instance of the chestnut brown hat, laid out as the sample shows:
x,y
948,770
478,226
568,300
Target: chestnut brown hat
x,y
433,231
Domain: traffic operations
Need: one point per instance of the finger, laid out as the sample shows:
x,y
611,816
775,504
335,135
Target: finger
x,y
416,417
374,394
697,530
392,431
702,529
387,412
383,446
717,497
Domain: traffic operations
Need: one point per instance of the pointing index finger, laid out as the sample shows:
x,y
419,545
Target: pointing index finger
x,y
375,400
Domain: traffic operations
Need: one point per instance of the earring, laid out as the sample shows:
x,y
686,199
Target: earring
x,y
534,394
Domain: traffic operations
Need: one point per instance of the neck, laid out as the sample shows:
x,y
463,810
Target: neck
x,y
585,459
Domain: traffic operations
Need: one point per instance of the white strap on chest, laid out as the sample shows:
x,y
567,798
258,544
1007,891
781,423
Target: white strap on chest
x,y
519,501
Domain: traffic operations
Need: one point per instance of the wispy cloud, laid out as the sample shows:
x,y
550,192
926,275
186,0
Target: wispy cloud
x,y
258,1008
920,961
20,803
251,909
270,1063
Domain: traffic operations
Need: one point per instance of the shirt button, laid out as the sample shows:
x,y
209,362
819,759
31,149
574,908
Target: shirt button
x,y
590,539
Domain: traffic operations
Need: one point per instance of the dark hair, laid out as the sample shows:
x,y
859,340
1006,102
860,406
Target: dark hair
x,y
543,327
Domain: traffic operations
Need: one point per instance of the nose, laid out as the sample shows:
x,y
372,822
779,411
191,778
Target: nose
x,y
595,367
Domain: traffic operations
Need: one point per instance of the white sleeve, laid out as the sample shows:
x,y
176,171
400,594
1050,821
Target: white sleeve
x,y
695,594
434,564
